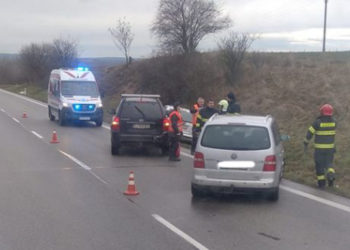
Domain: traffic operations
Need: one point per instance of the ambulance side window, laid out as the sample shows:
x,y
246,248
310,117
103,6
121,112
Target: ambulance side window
x,y
56,90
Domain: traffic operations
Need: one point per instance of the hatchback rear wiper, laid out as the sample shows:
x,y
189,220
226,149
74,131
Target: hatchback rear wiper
x,y
138,109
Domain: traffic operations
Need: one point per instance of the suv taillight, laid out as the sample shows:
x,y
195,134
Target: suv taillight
x,y
270,163
115,126
166,124
198,160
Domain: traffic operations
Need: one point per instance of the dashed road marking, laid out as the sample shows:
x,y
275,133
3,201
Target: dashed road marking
x,y
180,233
37,135
81,164
3,110
15,120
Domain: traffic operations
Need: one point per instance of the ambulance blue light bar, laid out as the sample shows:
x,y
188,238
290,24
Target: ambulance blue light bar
x,y
83,69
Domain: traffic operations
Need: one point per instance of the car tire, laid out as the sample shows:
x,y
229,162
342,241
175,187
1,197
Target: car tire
x,y
61,119
99,122
51,116
273,195
115,149
197,193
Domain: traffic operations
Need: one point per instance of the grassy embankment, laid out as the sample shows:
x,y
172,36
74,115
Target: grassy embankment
x,y
289,86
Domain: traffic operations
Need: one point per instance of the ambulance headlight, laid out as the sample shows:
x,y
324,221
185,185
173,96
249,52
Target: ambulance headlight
x,y
64,104
99,105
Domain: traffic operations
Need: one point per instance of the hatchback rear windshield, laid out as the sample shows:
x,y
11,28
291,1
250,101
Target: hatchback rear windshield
x,y
186,115
236,137
147,110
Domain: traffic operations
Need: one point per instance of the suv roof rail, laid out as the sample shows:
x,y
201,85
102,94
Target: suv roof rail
x,y
139,95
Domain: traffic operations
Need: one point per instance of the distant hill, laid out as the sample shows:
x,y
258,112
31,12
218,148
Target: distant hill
x,y
8,56
101,61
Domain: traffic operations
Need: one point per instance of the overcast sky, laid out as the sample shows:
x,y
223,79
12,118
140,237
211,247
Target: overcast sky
x,y
282,25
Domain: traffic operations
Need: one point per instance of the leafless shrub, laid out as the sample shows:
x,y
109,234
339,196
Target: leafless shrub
x,y
122,37
39,59
232,52
181,24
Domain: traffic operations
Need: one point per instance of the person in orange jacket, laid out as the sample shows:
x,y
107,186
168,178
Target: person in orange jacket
x,y
175,133
195,111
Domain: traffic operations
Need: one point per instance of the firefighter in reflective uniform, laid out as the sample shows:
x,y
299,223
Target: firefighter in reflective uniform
x,y
175,132
195,111
205,114
324,143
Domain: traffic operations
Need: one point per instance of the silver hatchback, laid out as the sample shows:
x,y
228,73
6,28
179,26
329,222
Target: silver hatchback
x,y
238,153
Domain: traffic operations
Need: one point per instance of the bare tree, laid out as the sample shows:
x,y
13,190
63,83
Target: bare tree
x,y
232,51
65,52
122,37
181,24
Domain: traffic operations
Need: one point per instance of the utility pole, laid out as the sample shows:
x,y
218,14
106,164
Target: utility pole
x,y
325,27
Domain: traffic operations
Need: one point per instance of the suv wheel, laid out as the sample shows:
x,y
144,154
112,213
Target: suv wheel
x,y
51,116
197,193
115,149
273,195
61,119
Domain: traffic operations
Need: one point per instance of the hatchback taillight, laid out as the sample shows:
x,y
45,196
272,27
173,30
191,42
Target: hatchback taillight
x,y
115,126
166,124
198,160
270,163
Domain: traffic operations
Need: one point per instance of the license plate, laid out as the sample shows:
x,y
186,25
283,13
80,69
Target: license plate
x,y
84,118
141,126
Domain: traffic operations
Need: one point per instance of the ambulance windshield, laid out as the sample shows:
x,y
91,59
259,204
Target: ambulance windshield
x,y
79,88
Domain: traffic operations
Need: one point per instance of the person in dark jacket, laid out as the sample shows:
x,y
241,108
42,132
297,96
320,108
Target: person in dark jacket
x,y
233,107
205,114
175,133
324,143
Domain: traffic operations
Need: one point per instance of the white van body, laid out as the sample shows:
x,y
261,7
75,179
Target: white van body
x,y
73,95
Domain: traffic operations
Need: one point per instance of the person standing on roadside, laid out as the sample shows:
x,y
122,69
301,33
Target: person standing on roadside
x,y
205,114
324,143
233,107
195,111
175,133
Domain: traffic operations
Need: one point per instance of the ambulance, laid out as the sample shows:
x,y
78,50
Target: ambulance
x,y
73,94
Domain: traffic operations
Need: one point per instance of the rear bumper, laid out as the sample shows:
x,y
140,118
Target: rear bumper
x,y
263,183
118,138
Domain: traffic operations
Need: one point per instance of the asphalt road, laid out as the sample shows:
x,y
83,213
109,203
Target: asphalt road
x,y
70,196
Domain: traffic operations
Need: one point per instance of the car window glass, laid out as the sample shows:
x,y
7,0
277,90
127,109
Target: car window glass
x,y
236,137
186,115
149,110
79,88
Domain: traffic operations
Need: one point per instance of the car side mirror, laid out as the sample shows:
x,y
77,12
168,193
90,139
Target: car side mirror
x,y
112,112
285,137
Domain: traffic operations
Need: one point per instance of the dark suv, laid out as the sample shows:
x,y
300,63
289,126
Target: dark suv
x,y
139,120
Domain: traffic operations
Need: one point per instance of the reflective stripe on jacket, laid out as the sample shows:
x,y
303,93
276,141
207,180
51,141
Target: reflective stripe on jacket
x,y
179,122
324,131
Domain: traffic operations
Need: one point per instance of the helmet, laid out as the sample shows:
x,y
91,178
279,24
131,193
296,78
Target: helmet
x,y
231,96
326,110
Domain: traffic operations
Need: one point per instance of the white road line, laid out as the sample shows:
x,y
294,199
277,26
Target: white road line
x,y
15,120
106,127
81,164
2,110
98,177
24,98
37,135
183,235
316,198
187,155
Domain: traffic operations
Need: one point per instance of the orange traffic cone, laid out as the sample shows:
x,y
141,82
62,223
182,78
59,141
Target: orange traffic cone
x,y
131,185
54,138
24,115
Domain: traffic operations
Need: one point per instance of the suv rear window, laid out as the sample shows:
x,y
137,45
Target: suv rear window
x,y
236,137
147,110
